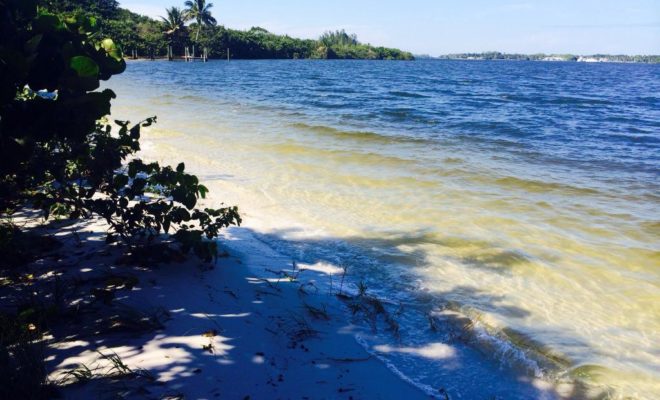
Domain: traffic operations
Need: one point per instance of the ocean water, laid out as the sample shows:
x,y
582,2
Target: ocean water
x,y
514,204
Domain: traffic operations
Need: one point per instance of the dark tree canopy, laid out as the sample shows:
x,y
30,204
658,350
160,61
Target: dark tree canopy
x,y
103,8
194,24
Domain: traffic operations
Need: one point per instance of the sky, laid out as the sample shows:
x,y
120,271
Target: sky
x,y
438,27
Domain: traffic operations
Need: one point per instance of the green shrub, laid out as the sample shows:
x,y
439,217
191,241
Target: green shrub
x,y
60,155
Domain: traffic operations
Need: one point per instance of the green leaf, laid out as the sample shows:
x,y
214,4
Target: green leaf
x,y
47,23
87,24
203,190
112,49
84,66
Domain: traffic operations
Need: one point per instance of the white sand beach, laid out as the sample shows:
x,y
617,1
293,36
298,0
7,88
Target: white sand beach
x,y
226,332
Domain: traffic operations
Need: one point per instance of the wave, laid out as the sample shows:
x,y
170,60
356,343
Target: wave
x,y
355,135
507,346
193,98
327,105
649,100
504,128
536,186
431,392
399,114
642,137
560,100
355,156
408,94
520,352
578,101
454,324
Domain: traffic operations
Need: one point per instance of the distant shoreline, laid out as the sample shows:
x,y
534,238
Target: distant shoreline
x,y
140,59
594,58
417,58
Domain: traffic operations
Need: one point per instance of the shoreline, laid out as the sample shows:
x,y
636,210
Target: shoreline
x,y
252,325
139,59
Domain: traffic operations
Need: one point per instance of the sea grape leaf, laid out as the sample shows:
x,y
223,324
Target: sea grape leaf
x,y
203,190
47,23
135,132
84,66
112,49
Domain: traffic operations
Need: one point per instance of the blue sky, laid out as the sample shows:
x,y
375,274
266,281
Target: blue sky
x,y
449,26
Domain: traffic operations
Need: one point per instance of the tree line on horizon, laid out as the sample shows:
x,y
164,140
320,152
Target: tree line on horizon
x,y
194,25
496,55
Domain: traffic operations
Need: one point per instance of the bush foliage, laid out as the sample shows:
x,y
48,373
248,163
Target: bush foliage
x,y
59,152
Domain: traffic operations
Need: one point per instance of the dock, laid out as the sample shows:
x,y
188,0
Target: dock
x,y
189,55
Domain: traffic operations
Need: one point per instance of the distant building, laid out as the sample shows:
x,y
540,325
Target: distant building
x,y
590,59
553,58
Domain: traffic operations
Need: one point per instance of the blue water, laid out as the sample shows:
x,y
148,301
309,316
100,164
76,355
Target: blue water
x,y
582,115
521,195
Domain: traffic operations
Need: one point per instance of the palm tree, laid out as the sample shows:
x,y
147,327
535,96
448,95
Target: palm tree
x,y
175,20
200,12
175,28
